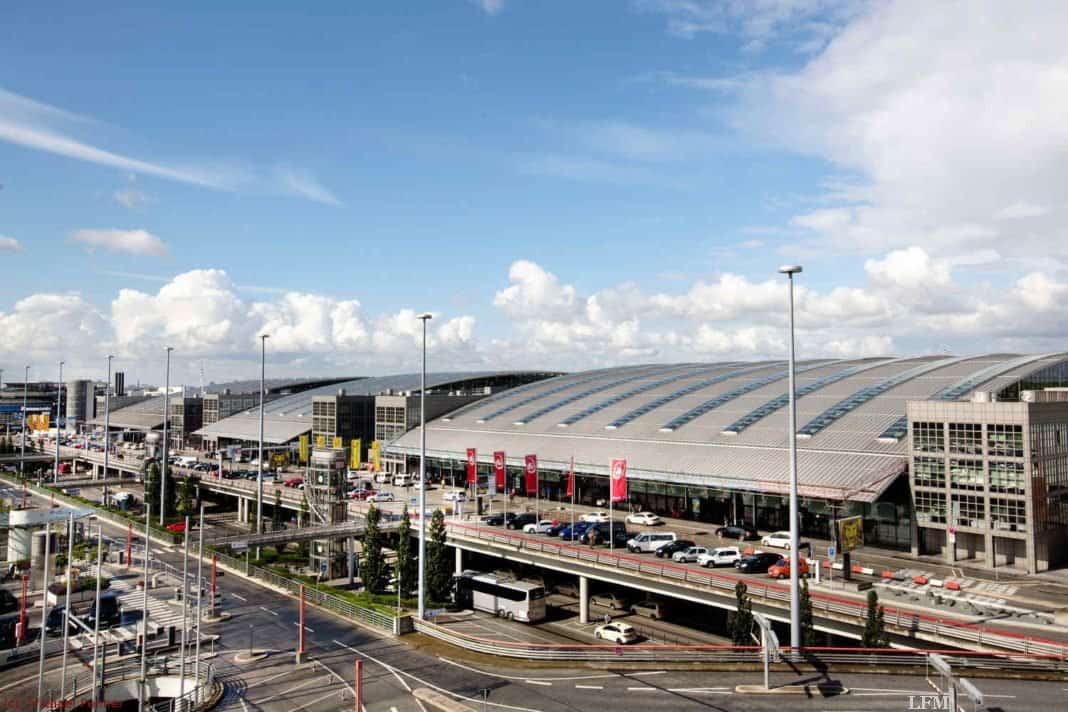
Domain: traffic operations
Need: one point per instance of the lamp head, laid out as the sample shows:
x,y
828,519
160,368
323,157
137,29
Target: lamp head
x,y
425,316
790,269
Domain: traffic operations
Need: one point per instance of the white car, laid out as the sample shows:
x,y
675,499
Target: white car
x,y
779,540
647,518
720,556
688,555
381,497
595,517
456,496
540,528
619,633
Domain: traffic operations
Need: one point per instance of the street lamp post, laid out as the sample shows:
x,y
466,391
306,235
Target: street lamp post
x,y
795,586
166,445
59,405
107,429
259,474
25,402
422,474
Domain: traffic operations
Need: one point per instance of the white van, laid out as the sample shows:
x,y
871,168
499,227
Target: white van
x,y
185,461
402,480
381,477
649,541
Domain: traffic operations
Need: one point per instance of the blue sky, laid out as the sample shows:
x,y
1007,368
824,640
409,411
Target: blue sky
x,y
633,172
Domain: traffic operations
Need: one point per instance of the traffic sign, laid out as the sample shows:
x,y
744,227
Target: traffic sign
x,y
831,551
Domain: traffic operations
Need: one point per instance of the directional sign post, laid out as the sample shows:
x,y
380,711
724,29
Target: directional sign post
x,y
769,643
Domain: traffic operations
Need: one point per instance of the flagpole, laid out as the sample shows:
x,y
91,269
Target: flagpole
x,y
611,539
573,488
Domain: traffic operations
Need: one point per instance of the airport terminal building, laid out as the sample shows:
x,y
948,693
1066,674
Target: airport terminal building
x,y
709,442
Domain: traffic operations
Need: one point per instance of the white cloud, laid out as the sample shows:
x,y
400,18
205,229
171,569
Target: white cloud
x,y
46,327
9,244
304,185
137,242
131,198
490,7
941,110
911,268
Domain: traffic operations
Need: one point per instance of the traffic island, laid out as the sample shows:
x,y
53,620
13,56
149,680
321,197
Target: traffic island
x,y
250,656
217,618
825,689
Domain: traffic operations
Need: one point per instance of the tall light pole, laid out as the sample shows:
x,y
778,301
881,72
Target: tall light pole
x,y
422,474
107,429
166,445
22,448
59,405
795,586
259,473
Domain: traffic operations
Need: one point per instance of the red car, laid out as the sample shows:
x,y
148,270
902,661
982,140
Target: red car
x,y
781,568
177,527
294,482
361,494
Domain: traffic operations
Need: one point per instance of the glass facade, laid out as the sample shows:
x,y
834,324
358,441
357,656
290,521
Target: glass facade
x,y
966,438
928,437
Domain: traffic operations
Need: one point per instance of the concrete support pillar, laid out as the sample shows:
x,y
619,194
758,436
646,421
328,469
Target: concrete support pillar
x,y
459,561
584,600
352,560
989,552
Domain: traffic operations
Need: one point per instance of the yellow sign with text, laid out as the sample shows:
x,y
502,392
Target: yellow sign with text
x,y
376,456
356,457
303,449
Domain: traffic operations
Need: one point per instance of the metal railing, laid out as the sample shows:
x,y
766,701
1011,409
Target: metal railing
x,y
159,666
726,654
337,604
898,620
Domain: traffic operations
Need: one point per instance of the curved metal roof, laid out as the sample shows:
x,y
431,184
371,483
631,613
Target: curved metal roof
x,y
626,411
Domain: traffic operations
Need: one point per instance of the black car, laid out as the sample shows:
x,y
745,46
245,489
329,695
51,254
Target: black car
x,y
666,551
8,602
54,622
521,520
757,563
743,532
110,612
619,534
496,520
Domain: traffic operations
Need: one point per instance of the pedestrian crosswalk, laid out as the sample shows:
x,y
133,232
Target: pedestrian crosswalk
x,y
162,614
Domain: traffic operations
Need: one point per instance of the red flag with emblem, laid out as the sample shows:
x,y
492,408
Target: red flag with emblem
x,y
472,466
532,474
619,480
571,479
498,470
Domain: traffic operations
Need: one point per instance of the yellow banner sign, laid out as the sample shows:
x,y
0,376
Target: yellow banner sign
x,y
376,456
356,457
850,534
303,449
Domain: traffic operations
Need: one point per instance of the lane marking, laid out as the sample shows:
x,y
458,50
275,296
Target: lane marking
x,y
400,679
311,681
268,610
643,689
649,672
239,597
701,690
308,704
538,682
512,677
442,690
589,687
297,624
272,677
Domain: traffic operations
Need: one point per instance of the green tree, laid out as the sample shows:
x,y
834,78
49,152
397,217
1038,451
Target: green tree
x,y
875,625
808,629
276,513
740,621
151,473
438,566
185,497
407,559
372,568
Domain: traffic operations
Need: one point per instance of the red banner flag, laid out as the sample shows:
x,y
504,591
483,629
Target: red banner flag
x,y
619,480
498,470
472,466
571,479
532,474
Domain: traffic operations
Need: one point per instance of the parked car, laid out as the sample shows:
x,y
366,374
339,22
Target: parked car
x,y
594,517
743,532
649,541
541,527
689,555
8,602
649,609
294,482
720,556
781,568
176,527
54,622
567,588
571,533
756,563
381,497
496,520
110,612
618,532
648,519
521,520
780,540
619,633
609,600
670,549
402,480
456,496
362,494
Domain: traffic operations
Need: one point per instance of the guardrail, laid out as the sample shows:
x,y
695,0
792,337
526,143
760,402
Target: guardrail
x,y
725,654
329,601
901,621
159,666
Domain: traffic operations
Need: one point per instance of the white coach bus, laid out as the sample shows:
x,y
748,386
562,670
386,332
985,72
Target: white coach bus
x,y
519,600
